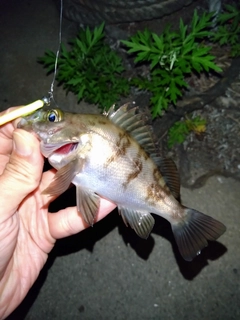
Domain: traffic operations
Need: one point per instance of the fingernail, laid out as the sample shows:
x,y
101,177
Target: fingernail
x,y
22,144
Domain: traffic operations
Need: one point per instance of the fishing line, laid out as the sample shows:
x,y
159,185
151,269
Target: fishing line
x,y
50,93
45,101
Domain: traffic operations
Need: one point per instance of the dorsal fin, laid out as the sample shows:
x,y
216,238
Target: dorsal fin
x,y
128,118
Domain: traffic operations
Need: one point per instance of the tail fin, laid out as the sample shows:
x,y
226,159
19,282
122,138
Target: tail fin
x,y
192,233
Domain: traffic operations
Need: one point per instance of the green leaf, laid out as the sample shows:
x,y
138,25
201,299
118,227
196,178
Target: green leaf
x,y
136,47
183,30
80,94
235,50
159,103
75,81
231,8
173,91
64,51
177,133
194,20
154,61
158,42
200,63
142,56
179,80
82,46
98,33
226,16
88,36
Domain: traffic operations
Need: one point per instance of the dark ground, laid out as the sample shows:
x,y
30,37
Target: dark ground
x,y
107,272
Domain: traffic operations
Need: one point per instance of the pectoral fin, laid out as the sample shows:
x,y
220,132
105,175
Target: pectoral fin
x,y
63,178
141,222
87,204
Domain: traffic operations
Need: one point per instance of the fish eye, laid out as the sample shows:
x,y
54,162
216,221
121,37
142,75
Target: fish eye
x,y
54,115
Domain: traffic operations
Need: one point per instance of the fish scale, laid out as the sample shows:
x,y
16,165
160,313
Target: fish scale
x,y
115,156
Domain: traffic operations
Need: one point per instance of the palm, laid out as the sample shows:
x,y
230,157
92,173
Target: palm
x,y
26,233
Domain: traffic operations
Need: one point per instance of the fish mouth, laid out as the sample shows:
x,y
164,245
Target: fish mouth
x,y
61,149
66,148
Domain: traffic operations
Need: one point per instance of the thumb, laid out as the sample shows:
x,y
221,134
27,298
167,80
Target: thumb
x,y
22,173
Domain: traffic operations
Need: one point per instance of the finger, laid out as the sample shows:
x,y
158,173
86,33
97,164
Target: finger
x,y
67,222
22,173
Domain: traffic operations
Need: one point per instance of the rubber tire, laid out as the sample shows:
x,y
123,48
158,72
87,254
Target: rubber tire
x,y
93,12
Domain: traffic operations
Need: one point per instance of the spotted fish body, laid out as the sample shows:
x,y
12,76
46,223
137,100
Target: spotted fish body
x,y
114,156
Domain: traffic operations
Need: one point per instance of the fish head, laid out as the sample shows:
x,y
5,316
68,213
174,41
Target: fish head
x,y
59,133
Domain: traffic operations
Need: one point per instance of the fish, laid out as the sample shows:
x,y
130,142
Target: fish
x,y
114,156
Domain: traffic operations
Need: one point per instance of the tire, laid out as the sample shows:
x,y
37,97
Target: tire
x,y
93,12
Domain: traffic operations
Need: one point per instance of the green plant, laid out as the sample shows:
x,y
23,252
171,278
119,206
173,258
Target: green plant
x,y
179,131
171,57
91,69
228,30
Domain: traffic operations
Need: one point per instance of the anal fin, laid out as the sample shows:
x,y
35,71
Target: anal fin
x,y
141,222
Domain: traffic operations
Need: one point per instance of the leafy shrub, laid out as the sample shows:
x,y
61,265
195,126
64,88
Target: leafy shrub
x,y
94,72
179,131
171,57
91,69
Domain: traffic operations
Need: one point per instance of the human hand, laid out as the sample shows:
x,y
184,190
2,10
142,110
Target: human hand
x,y
28,231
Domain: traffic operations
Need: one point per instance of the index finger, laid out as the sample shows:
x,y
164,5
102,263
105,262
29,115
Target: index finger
x,y
67,222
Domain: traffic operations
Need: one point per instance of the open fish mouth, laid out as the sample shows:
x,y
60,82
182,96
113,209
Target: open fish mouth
x,y
63,148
